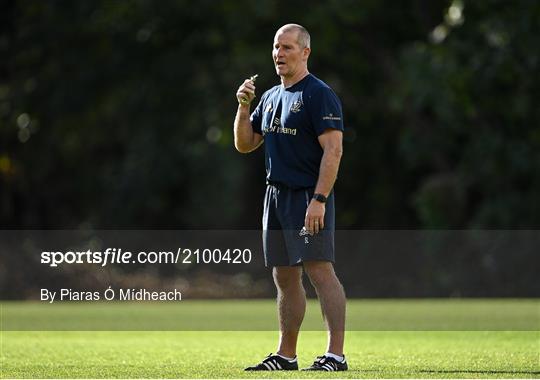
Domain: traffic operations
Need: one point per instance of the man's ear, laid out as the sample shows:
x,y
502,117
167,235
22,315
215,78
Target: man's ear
x,y
306,53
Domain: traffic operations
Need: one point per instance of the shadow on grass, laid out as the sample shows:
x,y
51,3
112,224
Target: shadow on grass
x,y
480,371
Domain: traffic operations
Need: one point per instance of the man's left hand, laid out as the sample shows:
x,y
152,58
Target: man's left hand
x,y
314,221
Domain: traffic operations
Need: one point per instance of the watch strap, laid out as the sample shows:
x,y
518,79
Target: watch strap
x,y
319,197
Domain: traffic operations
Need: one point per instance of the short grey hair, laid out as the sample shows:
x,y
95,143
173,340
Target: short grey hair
x,y
304,39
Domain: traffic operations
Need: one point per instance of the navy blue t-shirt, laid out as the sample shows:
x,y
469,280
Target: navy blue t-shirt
x,y
290,120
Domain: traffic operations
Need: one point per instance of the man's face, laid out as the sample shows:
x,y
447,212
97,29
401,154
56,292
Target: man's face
x,y
289,57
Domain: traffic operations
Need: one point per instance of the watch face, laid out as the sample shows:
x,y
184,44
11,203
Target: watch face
x,y
319,197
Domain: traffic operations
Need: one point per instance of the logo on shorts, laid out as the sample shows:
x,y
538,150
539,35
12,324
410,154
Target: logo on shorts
x,y
304,232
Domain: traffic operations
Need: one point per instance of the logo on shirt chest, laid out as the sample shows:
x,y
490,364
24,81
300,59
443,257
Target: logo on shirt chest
x,y
296,106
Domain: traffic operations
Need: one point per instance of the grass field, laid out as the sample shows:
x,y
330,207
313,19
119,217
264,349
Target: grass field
x,y
223,354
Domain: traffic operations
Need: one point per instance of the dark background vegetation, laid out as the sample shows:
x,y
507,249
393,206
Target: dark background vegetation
x,y
118,115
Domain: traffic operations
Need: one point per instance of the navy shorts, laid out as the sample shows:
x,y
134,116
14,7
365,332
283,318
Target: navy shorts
x,y
284,241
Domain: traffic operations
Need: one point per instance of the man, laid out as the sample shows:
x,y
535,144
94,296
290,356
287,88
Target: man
x,y
301,123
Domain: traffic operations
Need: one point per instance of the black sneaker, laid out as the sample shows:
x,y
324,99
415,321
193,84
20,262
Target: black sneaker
x,y
324,363
274,363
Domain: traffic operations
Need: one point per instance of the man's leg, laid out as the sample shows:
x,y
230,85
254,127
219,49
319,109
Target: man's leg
x,y
332,298
291,303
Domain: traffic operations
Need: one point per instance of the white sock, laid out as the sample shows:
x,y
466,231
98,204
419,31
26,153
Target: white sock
x,y
334,356
292,360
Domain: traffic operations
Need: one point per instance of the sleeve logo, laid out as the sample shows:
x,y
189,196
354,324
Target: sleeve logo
x,y
331,116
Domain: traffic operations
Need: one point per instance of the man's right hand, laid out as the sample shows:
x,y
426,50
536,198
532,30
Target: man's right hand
x,y
246,93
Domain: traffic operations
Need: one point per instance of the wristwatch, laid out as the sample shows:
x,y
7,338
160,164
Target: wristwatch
x,y
319,197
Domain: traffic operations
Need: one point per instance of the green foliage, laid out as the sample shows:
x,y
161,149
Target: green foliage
x,y
470,124
118,114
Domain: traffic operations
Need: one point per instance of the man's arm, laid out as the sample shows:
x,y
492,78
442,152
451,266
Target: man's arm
x,y
245,140
332,144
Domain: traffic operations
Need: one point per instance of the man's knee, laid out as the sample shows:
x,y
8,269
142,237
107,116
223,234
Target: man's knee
x,y
287,277
321,273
